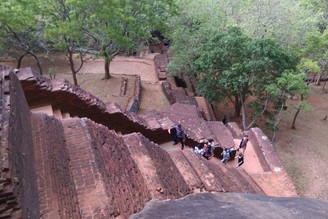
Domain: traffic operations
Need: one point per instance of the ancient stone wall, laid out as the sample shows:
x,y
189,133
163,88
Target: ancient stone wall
x,y
77,102
18,176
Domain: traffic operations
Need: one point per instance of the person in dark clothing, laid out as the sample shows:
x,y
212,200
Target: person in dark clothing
x,y
179,135
243,143
224,120
240,160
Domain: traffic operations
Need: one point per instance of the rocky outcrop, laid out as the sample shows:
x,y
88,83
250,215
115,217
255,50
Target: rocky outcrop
x,y
234,206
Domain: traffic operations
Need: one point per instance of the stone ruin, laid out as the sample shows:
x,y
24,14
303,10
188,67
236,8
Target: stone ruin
x,y
85,159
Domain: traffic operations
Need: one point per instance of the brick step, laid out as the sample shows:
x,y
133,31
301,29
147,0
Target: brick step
x,y
210,181
252,185
52,168
55,183
84,170
102,167
282,186
161,176
187,170
47,109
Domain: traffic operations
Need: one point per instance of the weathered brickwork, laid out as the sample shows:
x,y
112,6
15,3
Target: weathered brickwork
x,y
163,178
18,188
210,182
172,180
42,91
221,133
124,184
107,181
57,194
187,171
256,142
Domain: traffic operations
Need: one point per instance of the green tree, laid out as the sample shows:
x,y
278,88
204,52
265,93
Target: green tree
x,y
319,11
233,67
316,52
190,29
120,26
21,34
64,21
289,83
285,21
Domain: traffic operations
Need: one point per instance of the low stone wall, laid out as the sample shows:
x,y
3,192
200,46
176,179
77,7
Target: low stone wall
x,y
265,151
135,103
235,130
167,90
257,139
161,62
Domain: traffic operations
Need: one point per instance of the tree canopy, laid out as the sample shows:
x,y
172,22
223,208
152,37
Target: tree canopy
x,y
235,49
233,67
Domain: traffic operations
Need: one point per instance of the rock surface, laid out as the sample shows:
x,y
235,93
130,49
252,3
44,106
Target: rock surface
x,y
236,206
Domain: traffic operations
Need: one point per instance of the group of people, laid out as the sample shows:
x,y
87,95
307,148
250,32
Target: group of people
x,y
205,147
227,152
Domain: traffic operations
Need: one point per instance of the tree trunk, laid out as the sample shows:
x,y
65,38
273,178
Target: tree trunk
x,y
296,114
277,121
37,62
107,74
263,111
318,80
237,107
20,59
107,65
243,111
324,85
72,66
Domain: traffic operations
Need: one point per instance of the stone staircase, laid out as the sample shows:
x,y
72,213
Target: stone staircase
x,y
118,156
153,125
75,160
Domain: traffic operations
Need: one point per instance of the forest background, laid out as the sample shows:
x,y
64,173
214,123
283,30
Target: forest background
x,y
265,58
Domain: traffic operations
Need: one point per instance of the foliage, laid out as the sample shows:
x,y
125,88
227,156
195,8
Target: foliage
x,y
315,53
285,21
234,67
20,33
319,11
190,29
120,26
